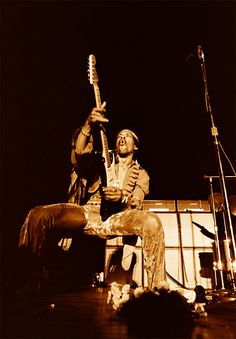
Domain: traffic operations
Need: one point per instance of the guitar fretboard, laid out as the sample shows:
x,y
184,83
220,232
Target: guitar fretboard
x,y
102,133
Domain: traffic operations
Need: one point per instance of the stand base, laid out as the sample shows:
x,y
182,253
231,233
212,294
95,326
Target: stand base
x,y
223,295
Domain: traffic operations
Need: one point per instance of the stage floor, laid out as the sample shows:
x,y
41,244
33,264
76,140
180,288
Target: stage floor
x,y
84,313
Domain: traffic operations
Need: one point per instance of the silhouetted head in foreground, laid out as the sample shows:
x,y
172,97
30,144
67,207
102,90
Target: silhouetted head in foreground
x,y
163,315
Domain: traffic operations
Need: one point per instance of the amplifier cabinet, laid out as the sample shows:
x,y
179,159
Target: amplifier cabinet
x,y
159,205
176,205
193,205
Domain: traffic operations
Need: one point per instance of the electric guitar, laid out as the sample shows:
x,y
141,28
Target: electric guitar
x,y
109,165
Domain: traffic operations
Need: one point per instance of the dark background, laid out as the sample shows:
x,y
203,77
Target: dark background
x,y
149,75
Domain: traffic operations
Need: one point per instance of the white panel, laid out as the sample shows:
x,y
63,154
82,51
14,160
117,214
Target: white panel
x,y
191,267
191,234
173,265
170,227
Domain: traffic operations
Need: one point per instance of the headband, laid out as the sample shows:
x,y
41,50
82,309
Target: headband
x,y
133,135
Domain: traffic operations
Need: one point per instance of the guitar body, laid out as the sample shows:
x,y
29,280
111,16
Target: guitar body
x,y
108,162
111,176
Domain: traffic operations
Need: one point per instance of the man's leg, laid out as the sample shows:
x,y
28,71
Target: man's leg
x,y
149,227
39,236
61,219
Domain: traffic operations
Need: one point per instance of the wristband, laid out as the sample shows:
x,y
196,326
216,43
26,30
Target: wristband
x,y
85,133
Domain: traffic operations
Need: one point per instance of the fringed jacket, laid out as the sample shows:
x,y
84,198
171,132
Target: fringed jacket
x,y
86,179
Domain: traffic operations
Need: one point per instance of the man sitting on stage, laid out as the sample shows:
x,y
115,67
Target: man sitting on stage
x,y
95,209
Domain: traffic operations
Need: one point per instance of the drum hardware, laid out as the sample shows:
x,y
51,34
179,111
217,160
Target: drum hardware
x,y
224,248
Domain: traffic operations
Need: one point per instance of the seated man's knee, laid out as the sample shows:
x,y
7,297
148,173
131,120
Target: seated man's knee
x,y
36,216
154,223
36,212
154,220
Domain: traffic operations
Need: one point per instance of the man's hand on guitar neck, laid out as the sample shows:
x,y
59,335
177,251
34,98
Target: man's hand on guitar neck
x,y
96,116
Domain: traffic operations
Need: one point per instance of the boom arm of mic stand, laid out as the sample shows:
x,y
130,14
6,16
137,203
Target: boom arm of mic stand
x,y
227,177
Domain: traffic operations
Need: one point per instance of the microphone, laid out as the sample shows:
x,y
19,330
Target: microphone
x,y
207,176
200,53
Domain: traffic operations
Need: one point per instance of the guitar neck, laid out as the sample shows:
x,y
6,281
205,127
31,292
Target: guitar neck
x,y
105,147
97,95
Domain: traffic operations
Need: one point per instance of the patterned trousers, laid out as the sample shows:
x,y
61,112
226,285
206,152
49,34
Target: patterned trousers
x,y
65,218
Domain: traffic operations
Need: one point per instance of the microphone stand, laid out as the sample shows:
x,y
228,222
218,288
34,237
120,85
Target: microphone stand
x,y
215,136
218,260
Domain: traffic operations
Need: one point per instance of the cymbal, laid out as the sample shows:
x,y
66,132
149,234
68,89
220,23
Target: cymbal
x,y
218,202
232,204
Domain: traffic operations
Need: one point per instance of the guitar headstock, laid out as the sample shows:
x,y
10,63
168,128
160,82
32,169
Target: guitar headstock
x,y
92,73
